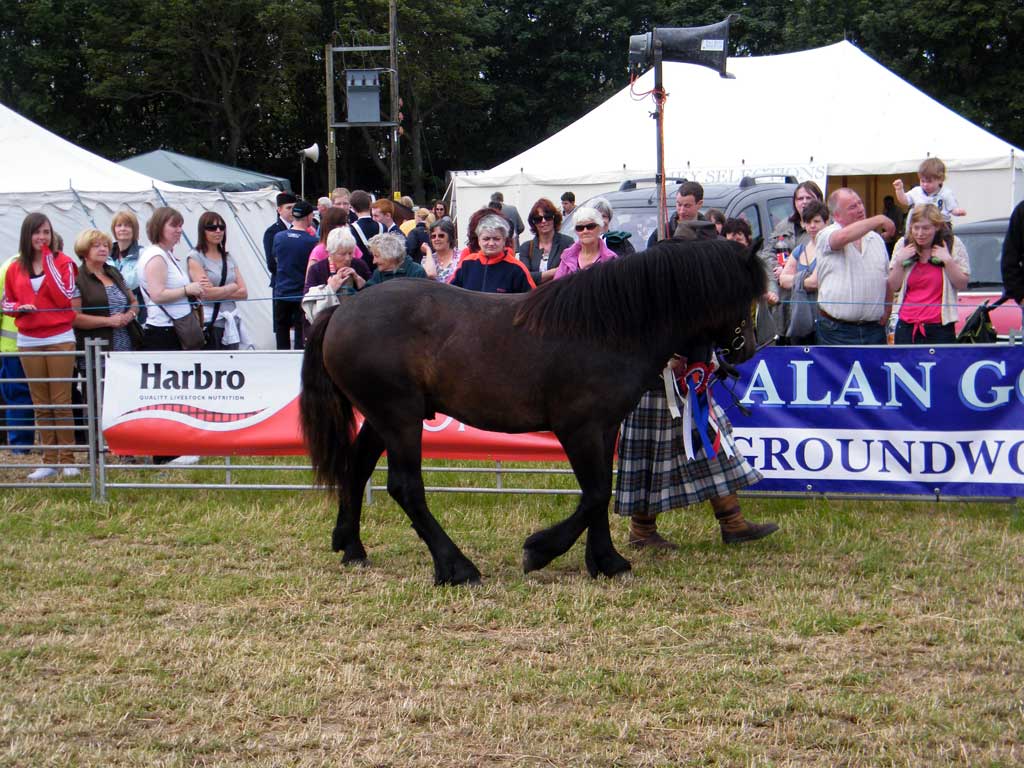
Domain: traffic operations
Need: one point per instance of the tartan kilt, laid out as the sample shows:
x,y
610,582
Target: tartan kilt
x,y
654,474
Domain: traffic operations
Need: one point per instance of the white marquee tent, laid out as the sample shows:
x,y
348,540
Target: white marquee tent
x,y
859,119
77,189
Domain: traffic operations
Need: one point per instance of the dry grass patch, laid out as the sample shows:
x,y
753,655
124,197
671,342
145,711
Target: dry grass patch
x,y
194,628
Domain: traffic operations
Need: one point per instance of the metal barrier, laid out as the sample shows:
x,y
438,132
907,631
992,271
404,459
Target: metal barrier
x,y
100,462
83,375
89,368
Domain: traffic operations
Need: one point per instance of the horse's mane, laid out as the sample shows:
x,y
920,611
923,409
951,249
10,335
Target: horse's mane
x,y
685,286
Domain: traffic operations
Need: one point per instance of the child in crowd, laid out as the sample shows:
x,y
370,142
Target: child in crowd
x,y
932,176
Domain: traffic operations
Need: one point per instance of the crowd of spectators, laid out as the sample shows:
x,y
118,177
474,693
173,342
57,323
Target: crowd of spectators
x,y
838,283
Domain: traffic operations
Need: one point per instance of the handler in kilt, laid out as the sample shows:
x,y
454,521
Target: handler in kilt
x,y
655,474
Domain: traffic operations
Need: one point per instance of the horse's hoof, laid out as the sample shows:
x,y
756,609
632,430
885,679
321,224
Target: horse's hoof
x,y
461,573
533,560
610,565
355,556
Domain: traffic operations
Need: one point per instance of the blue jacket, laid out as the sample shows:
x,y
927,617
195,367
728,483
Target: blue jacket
x,y
291,255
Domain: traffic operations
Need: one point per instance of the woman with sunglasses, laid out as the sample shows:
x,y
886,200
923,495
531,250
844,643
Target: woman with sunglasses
x,y
440,259
589,248
542,254
209,264
440,210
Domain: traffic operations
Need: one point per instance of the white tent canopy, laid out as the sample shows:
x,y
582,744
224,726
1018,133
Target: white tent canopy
x,y
864,120
77,189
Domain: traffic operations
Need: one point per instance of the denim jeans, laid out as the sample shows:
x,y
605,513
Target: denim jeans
x,y
16,393
837,333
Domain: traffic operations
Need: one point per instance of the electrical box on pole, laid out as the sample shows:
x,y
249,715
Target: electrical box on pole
x,y
362,97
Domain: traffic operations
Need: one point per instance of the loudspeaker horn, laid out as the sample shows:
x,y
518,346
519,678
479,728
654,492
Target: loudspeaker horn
x,y
706,46
312,152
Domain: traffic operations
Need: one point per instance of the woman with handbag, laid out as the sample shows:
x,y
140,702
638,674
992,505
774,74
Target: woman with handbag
x,y
800,277
167,288
171,322
39,292
210,262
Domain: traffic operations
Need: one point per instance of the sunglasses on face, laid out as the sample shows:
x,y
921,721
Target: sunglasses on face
x,y
537,218
439,236
214,227
581,227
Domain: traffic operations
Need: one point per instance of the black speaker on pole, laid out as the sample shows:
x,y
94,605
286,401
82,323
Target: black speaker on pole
x,y
707,46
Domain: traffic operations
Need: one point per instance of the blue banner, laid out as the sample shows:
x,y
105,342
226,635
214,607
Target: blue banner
x,y
945,420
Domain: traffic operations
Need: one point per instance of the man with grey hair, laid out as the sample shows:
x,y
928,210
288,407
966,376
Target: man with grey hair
x,y
490,267
616,240
853,264
511,213
322,205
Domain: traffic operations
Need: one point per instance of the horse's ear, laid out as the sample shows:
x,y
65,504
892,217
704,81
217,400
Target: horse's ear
x,y
755,247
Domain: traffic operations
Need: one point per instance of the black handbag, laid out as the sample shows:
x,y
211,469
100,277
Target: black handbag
x,y
212,339
978,329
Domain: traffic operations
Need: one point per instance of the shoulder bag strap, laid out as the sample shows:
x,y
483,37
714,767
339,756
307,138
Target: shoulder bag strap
x,y
162,308
223,279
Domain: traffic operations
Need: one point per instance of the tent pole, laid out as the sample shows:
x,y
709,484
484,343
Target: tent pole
x,y
81,203
245,232
1013,180
188,240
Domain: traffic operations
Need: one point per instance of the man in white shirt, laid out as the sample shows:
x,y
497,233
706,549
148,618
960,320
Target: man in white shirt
x,y
853,264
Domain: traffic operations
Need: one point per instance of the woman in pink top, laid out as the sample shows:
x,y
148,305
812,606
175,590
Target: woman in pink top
x,y
927,270
589,248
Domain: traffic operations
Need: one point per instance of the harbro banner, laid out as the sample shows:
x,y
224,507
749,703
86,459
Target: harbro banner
x,y
221,404
896,420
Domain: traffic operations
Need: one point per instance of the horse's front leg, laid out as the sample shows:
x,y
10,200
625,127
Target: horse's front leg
x,y
405,484
590,453
366,451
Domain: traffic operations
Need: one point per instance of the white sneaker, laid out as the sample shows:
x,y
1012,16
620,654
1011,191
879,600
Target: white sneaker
x,y
184,461
43,473
71,472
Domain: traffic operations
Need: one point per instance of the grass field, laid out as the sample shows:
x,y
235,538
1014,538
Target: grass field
x,y
182,628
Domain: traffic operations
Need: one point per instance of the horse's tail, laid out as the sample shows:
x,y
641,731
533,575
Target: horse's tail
x,y
328,424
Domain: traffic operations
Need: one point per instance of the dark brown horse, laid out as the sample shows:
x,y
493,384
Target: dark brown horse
x,y
573,357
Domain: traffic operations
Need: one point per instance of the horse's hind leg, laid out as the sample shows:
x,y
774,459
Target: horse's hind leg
x,y
366,450
590,454
405,484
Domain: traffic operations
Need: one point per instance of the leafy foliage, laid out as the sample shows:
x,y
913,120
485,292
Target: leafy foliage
x,y
243,82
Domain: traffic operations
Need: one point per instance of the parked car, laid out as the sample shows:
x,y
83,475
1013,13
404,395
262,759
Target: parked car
x,y
762,204
984,243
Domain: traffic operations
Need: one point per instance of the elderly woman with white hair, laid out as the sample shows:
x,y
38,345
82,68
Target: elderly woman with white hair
x,y
340,271
340,274
391,260
617,240
589,248
490,266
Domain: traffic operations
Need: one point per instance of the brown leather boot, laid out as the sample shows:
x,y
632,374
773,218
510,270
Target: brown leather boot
x,y
643,533
735,529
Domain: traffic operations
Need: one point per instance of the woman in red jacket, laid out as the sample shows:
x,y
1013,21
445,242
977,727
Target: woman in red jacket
x,y
39,291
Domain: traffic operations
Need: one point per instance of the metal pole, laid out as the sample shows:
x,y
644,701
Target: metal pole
x,y
659,174
396,178
332,161
302,187
92,347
